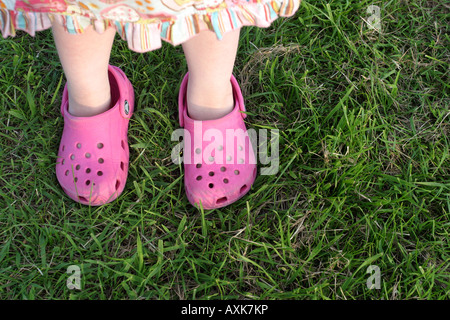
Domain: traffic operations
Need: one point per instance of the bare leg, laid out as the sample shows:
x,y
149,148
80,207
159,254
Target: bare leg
x,y
85,60
210,63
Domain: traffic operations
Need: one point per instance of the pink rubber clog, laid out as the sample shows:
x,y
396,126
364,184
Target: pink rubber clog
x,y
218,156
93,155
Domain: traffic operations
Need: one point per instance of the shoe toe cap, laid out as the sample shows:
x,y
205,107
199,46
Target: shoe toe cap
x,y
92,188
216,188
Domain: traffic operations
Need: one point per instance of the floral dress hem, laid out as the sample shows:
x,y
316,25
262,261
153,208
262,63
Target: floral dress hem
x,y
144,24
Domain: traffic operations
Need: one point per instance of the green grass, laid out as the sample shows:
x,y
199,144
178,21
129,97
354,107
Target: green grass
x,y
364,175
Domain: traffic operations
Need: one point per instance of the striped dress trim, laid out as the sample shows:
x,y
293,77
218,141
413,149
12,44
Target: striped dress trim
x,y
144,27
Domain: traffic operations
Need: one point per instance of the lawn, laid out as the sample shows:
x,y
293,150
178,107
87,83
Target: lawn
x,y
363,181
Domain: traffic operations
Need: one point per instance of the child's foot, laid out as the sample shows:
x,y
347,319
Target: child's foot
x,y
216,173
210,104
93,156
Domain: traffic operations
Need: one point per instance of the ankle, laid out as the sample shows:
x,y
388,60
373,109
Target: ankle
x,y
79,110
197,112
90,102
210,104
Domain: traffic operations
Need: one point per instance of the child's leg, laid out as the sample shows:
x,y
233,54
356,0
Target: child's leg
x,y
85,59
210,63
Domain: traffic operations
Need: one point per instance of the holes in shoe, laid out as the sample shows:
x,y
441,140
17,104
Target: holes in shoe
x,y
88,170
88,182
99,173
243,188
122,165
211,185
79,145
236,172
63,148
117,184
240,148
122,144
220,148
199,178
100,160
66,173
199,165
229,158
87,155
241,161
100,145
223,169
221,200
62,162
211,173
76,179
211,159
198,151
77,167
72,157
225,180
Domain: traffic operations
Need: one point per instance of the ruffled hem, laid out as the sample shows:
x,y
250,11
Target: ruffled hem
x,y
147,35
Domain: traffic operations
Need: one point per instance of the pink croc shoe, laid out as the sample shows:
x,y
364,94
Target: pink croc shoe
x,y
93,154
219,161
